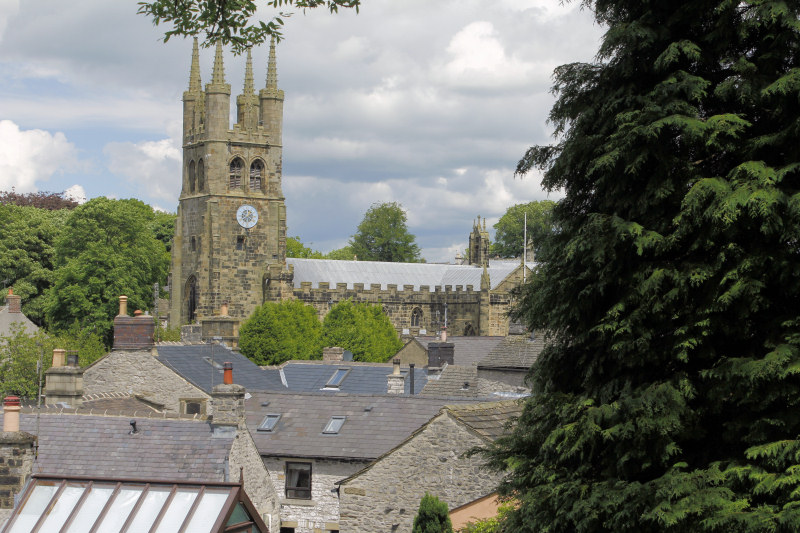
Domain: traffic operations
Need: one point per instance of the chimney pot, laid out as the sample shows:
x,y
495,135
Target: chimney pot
x,y
72,358
11,407
396,367
444,334
59,358
224,309
138,312
123,306
227,377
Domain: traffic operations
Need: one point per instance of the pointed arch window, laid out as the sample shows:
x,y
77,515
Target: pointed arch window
x,y
416,317
191,176
236,174
256,171
201,176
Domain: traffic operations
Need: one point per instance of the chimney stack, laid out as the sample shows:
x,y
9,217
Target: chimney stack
x,y
132,332
227,403
16,454
14,302
332,354
11,407
396,381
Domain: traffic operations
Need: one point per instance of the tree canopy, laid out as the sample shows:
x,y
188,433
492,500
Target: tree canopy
x,y
383,235
233,22
432,516
362,328
666,397
106,249
509,230
295,248
281,331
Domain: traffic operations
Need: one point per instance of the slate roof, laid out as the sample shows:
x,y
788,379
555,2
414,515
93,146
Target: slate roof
x,y
361,378
383,273
489,419
451,383
466,350
515,352
193,363
7,319
101,446
374,424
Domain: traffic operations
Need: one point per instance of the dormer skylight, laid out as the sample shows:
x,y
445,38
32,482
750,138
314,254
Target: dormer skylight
x,y
334,425
337,378
213,363
269,422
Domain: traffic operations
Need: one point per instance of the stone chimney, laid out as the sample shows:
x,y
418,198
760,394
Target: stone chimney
x,y
17,450
227,402
64,380
332,354
132,332
396,382
14,302
440,353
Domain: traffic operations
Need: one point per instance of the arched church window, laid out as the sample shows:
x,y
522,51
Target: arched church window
x,y
416,317
256,171
201,176
191,176
236,173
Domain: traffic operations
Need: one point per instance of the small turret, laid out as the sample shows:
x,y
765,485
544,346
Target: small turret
x,y
218,99
247,108
272,101
479,244
193,98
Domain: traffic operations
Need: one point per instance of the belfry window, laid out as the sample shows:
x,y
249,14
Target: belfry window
x,y
201,176
256,171
236,174
191,177
416,317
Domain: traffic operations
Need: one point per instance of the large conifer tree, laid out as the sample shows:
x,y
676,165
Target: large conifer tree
x,y
669,398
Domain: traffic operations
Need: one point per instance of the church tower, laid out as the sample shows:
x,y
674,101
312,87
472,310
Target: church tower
x,y
479,244
231,227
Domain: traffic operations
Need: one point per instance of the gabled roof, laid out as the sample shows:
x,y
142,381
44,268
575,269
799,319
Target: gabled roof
x,y
374,424
312,376
193,363
384,274
466,350
515,352
178,449
7,319
488,419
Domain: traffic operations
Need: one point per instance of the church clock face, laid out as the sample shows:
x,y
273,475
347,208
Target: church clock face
x,y
247,216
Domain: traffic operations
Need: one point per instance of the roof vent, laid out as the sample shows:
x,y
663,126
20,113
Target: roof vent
x,y
133,430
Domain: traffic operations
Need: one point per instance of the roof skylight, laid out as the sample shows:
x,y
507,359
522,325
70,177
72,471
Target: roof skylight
x,y
269,422
334,425
337,377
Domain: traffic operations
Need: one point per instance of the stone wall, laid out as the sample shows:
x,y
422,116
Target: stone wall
x,y
139,372
321,512
16,465
385,497
257,484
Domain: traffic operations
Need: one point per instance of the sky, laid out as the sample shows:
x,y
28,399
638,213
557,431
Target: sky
x,y
429,103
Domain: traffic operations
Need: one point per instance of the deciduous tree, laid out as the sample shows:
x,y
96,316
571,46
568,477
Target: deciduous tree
x,y
510,232
383,236
107,249
666,398
295,248
281,331
363,329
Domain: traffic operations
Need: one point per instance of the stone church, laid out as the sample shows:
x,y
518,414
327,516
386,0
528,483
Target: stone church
x,y
229,252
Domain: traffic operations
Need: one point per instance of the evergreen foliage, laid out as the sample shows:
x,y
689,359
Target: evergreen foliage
x,y
107,248
667,397
362,328
383,236
432,517
509,230
281,331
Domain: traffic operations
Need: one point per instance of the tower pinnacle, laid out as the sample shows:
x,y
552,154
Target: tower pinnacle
x,y
194,72
249,86
218,75
272,69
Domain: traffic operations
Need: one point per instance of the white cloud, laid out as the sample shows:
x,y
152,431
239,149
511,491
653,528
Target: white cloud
x,y
8,9
31,156
154,167
76,193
